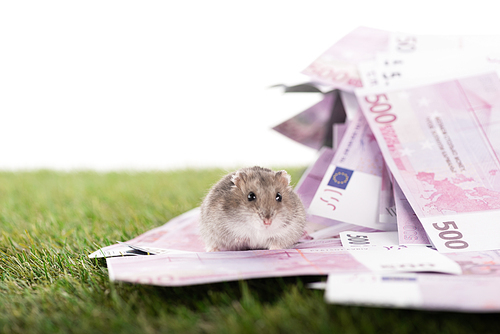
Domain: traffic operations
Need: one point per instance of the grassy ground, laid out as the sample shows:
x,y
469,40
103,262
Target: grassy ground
x,y
51,221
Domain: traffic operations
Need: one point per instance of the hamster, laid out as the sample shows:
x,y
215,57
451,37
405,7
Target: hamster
x,y
252,208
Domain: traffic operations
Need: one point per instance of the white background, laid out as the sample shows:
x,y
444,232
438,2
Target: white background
x,y
112,85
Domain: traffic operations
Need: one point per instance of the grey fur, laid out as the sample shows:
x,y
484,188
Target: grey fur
x,y
229,221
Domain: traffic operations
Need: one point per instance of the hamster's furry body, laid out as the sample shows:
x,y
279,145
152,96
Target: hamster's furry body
x,y
252,208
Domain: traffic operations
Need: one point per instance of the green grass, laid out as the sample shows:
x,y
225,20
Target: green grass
x,y
51,221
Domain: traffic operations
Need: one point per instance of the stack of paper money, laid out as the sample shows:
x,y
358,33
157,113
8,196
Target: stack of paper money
x,y
403,201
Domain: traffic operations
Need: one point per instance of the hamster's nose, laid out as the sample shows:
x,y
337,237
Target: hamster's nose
x,y
267,221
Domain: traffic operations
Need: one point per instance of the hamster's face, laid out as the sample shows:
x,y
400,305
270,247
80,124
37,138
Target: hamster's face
x,y
264,198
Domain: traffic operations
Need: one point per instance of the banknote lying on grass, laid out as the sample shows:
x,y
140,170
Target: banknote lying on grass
x,y
362,268
476,290
403,201
189,265
416,291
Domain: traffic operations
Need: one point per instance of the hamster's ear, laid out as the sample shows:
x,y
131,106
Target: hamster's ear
x,y
283,177
239,178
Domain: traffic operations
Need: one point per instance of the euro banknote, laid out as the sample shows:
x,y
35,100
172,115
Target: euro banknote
x,y
410,230
310,127
316,257
387,206
178,234
190,264
475,290
353,177
319,227
416,291
338,65
440,143
389,69
202,267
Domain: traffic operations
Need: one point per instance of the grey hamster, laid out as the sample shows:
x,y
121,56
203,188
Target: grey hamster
x,y
252,208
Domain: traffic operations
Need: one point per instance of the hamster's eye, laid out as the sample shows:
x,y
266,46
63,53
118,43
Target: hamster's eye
x,y
279,197
251,196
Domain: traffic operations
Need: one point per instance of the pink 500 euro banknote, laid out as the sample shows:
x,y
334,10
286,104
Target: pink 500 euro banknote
x,y
441,143
416,291
338,66
353,177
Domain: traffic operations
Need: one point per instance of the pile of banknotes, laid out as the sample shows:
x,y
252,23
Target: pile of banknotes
x,y
403,201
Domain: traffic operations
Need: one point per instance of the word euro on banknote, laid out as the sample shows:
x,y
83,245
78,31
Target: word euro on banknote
x,y
440,142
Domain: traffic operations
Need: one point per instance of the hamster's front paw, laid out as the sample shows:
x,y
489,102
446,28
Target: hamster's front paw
x,y
274,247
212,249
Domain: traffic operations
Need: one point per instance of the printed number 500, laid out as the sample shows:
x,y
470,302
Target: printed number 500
x,y
453,237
